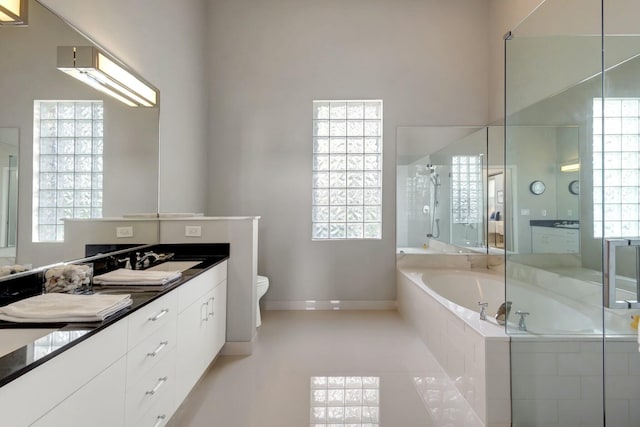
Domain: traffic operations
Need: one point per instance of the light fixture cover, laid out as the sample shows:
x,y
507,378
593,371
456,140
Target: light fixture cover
x,y
96,69
13,12
572,167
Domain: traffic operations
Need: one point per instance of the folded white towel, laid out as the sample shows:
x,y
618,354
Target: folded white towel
x,y
123,276
56,307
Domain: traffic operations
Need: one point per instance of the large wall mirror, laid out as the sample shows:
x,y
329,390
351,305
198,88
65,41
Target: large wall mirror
x,y
560,131
129,140
441,187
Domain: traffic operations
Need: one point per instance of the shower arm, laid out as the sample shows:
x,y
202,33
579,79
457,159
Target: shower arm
x,y
609,270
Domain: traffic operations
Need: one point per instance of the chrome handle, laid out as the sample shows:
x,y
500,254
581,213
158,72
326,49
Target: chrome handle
x,y
159,315
155,352
161,381
483,308
160,420
211,312
609,270
203,309
522,324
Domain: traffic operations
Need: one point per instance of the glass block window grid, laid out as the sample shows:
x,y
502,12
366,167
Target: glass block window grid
x,y
347,170
466,189
67,165
345,401
616,152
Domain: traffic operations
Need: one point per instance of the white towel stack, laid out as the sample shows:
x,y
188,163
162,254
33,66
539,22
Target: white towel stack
x,y
57,307
125,277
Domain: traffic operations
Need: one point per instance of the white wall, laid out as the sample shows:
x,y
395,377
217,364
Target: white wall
x,y
505,15
163,41
427,60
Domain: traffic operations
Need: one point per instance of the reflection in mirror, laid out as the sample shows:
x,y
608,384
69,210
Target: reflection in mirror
x,y
9,139
441,181
57,179
546,213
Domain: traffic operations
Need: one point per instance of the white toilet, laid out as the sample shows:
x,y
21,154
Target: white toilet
x,y
262,284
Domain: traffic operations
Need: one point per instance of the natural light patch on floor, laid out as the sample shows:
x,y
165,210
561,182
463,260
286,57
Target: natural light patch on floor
x,y
345,401
444,402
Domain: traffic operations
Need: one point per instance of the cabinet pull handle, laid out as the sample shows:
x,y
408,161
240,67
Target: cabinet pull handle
x,y
159,315
212,299
160,420
155,352
161,381
203,313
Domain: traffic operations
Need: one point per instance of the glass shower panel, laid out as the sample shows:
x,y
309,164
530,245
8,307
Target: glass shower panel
x,y
553,262
617,169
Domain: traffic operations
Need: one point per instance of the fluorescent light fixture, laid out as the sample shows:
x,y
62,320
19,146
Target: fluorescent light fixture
x,y
94,68
572,167
13,12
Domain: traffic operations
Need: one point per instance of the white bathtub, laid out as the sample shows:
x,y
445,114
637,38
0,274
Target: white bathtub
x,y
564,319
549,312
443,306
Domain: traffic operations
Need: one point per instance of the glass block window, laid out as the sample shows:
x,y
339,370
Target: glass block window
x,y
67,165
347,170
615,167
345,401
466,189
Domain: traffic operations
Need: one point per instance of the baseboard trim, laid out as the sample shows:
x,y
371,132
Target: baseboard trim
x,y
329,305
237,348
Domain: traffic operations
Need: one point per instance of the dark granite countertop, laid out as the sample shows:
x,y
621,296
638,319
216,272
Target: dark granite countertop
x,y
555,223
66,335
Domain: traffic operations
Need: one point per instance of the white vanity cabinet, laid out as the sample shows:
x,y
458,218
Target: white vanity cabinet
x,y
201,326
133,373
554,240
151,360
47,393
82,408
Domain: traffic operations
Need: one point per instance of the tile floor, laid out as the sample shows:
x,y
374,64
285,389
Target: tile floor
x,y
328,368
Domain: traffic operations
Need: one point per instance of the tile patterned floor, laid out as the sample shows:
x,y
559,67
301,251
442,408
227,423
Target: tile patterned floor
x,y
328,369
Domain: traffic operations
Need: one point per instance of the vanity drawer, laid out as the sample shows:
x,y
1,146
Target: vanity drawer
x,y
156,385
149,352
191,291
152,317
159,414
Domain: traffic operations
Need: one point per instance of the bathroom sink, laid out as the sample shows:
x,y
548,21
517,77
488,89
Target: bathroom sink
x,y
13,339
174,266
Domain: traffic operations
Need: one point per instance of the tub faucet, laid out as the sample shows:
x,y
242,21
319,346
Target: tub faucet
x,y
483,308
146,260
521,324
503,313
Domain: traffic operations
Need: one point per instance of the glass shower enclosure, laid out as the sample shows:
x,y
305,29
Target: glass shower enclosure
x,y
572,147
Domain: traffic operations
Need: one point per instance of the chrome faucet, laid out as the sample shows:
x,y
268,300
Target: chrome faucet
x,y
146,260
126,261
521,324
483,308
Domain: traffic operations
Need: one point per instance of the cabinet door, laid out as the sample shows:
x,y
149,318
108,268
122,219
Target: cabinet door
x,y
193,328
83,409
218,318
